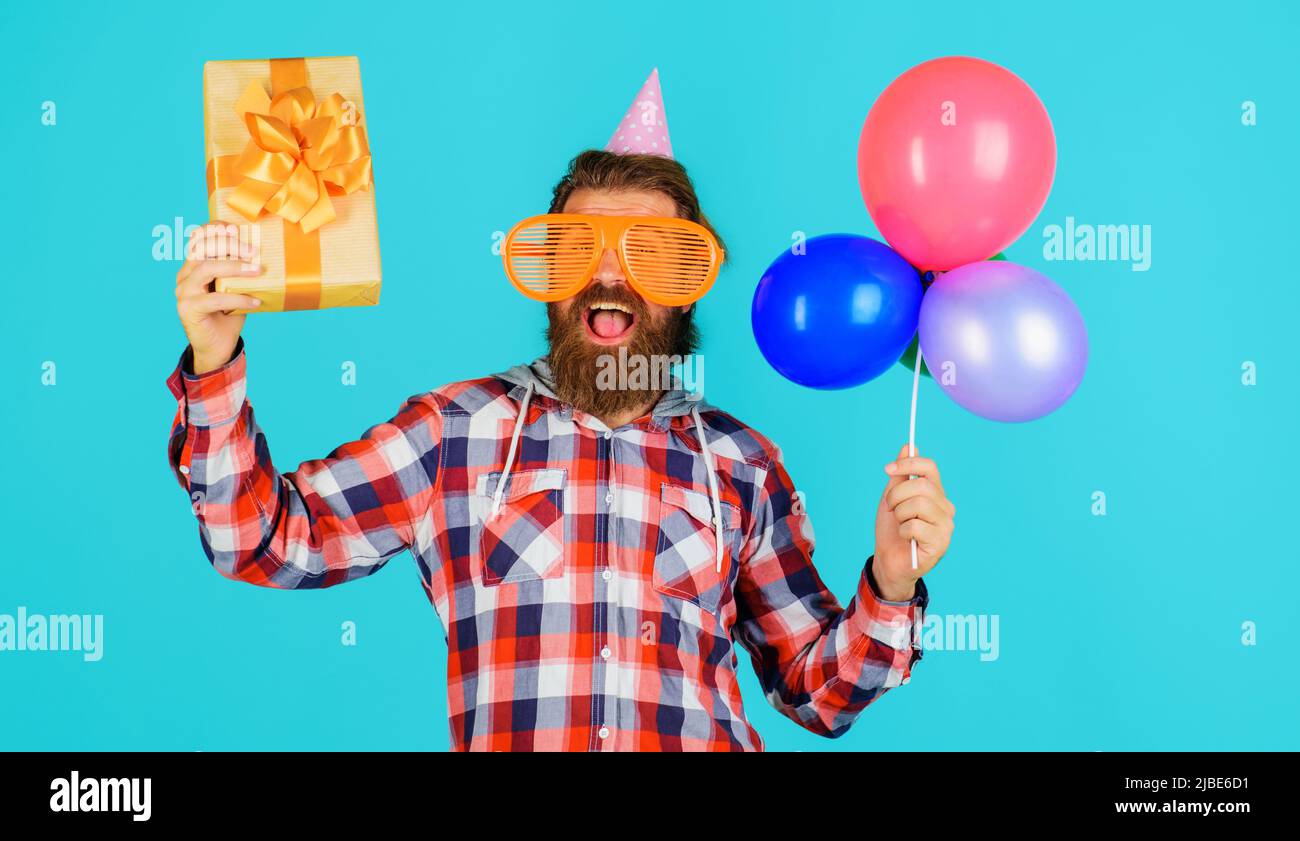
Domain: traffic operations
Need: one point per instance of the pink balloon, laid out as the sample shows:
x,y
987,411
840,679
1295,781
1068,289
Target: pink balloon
x,y
955,161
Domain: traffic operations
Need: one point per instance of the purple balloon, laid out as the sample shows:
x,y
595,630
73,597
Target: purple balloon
x,y
1003,340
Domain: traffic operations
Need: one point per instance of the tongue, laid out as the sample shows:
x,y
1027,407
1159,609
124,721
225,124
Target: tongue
x,y
610,323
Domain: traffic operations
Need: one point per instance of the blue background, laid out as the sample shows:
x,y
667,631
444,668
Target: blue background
x,y
1117,632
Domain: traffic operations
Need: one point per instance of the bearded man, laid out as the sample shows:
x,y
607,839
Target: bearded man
x,y
596,555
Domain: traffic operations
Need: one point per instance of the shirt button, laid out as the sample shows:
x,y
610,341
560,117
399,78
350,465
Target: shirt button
x,y
605,652
609,499
608,435
184,470
603,732
607,575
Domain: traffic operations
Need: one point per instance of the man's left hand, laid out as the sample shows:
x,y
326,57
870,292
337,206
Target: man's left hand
x,y
910,509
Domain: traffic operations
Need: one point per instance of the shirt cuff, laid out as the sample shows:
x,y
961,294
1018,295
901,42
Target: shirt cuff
x,y
894,624
212,398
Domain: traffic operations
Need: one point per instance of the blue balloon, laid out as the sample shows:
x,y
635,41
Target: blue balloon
x,y
838,314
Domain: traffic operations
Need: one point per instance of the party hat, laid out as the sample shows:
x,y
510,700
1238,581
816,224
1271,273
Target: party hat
x,y
644,128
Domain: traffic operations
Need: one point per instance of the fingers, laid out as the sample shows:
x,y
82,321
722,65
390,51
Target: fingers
x,y
223,302
223,240
203,273
896,479
922,508
919,487
907,489
219,241
925,534
915,466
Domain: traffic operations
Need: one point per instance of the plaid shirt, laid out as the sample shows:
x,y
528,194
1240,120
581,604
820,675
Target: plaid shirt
x,y
588,613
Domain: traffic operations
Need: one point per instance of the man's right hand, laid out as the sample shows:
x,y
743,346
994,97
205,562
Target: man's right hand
x,y
207,316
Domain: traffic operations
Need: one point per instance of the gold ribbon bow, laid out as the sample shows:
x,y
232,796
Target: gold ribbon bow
x,y
299,153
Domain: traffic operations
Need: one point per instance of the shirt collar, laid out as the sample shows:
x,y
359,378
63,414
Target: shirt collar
x,y
672,411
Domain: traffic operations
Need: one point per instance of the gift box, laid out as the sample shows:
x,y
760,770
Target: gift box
x,y
287,153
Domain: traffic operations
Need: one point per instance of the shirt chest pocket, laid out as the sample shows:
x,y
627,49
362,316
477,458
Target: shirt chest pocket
x,y
524,540
686,552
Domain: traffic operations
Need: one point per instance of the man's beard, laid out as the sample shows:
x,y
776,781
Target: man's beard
x,y
576,361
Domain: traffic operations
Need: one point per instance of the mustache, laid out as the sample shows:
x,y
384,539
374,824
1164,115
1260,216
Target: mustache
x,y
595,293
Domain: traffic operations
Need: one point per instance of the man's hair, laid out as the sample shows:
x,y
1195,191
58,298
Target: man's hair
x,y
599,170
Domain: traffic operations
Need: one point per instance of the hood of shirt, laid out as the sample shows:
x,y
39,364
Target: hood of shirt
x,y
674,403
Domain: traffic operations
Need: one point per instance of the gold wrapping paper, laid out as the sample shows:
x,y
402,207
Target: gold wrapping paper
x,y
333,265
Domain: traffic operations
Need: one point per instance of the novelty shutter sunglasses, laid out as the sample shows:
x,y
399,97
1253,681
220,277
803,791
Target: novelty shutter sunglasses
x,y
669,261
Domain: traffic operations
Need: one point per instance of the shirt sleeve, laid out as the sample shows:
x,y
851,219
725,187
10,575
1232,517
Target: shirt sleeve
x,y
332,520
820,664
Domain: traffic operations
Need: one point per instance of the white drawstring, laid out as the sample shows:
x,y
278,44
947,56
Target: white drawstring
x,y
510,454
714,497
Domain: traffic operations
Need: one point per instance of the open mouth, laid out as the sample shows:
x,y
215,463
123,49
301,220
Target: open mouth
x,y
608,323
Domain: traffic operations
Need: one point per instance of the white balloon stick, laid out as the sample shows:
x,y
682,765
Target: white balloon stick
x,y
911,424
